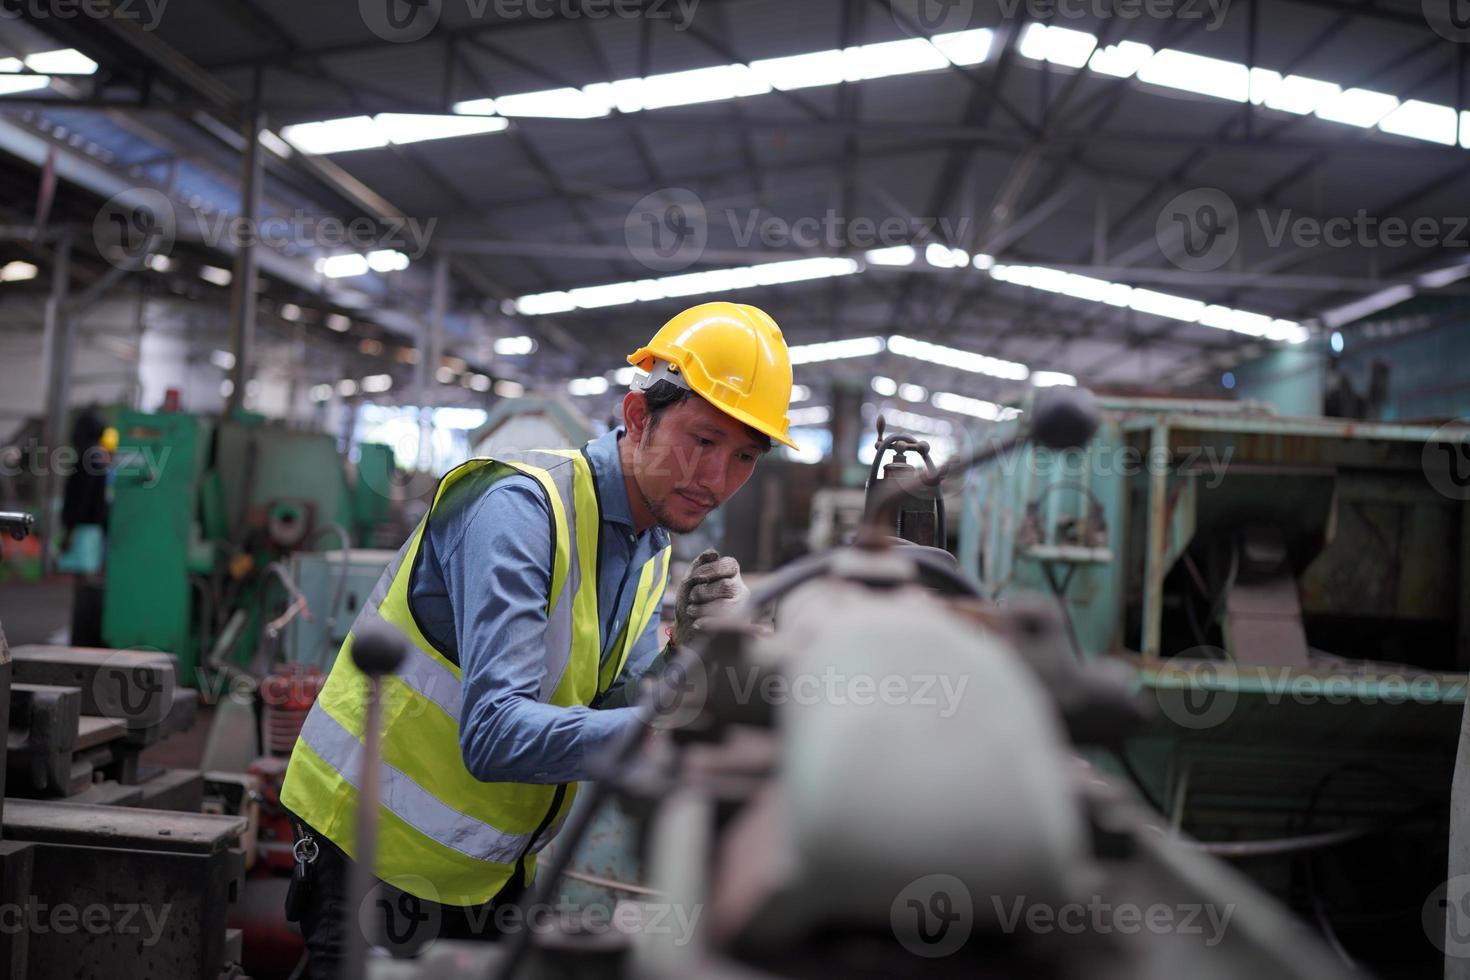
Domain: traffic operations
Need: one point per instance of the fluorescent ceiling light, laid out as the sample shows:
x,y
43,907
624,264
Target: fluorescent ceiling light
x,y
556,103
983,261
906,57
1196,73
897,418
17,271
886,387
13,84
387,260
1423,121
409,127
66,61
1121,60
1058,45
1052,379
800,393
216,275
514,346
802,70
913,393
335,135
953,357
964,405
506,388
834,350
339,322
1294,93
1149,301
944,257
897,255
1361,107
688,284
587,386
342,266
815,415
965,47
377,383
719,83
368,132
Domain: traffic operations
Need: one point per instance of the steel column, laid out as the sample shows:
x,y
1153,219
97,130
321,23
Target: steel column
x,y
59,342
242,291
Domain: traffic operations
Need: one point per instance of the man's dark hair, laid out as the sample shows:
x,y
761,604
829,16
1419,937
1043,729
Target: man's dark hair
x,y
664,395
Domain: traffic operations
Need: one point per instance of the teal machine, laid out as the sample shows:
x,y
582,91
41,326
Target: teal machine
x,y
205,513
1293,598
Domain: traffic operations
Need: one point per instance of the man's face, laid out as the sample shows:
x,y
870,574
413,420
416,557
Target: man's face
x,y
691,461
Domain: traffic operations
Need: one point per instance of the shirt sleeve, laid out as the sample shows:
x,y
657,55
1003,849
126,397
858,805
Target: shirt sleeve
x,y
645,657
495,557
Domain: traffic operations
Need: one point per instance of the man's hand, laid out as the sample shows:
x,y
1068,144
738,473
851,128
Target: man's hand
x,y
713,588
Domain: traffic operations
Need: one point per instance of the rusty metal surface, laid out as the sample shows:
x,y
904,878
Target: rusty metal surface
x,y
45,821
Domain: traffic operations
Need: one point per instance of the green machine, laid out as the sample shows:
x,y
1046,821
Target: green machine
x,y
1292,596
205,511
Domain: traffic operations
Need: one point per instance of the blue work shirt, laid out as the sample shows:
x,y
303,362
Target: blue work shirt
x,y
480,596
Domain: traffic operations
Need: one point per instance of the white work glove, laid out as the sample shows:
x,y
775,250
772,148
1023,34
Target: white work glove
x,y
713,589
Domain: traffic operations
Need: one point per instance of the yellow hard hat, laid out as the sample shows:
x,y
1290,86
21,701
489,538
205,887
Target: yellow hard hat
x,y
734,357
109,439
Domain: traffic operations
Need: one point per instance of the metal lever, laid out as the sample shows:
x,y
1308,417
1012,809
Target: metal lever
x,y
375,652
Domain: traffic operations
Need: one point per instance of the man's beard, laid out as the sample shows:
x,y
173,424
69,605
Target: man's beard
x,y
669,521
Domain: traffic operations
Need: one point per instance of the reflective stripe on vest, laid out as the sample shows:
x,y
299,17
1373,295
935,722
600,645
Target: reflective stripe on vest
x,y
444,835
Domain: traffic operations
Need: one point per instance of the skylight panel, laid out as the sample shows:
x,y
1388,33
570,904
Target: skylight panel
x,y
1121,60
1058,45
1359,107
1196,73
1422,121
965,47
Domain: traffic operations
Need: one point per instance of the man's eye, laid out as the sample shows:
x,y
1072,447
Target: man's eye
x,y
703,441
747,458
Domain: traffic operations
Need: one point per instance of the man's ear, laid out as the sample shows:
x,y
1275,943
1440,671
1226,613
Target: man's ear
x,y
635,415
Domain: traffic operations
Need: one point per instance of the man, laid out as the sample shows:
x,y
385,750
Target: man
x,y
529,599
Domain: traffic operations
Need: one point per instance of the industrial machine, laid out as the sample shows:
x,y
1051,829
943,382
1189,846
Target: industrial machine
x,y
1292,597
796,813
204,514
97,847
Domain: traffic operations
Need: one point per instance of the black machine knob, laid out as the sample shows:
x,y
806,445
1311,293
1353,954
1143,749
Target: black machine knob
x,y
378,650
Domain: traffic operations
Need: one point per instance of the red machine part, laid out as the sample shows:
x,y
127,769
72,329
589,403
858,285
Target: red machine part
x,y
287,696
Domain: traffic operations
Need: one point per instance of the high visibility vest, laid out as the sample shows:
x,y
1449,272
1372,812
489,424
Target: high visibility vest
x,y
444,835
